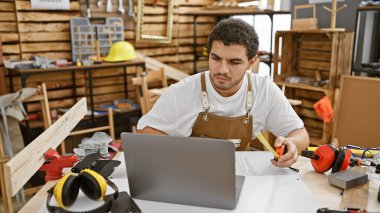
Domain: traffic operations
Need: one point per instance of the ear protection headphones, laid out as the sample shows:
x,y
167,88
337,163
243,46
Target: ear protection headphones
x,y
92,184
328,157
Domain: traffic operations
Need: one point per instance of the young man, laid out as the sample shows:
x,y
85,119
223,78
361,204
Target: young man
x,y
227,102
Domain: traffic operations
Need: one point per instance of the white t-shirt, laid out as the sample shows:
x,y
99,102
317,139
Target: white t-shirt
x,y
176,111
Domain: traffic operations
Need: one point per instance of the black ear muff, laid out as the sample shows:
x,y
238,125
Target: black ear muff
x,y
66,191
92,184
342,160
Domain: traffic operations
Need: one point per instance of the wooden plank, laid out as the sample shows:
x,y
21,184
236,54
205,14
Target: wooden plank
x,y
45,17
7,16
45,36
312,73
315,45
46,27
314,55
9,37
169,71
11,49
21,167
108,98
194,2
103,90
312,95
316,65
307,113
8,27
190,41
108,81
12,57
50,55
356,197
302,86
159,51
26,6
61,103
45,46
201,19
313,123
7,6
315,36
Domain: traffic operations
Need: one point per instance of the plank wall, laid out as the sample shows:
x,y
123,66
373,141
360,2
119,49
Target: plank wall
x,y
26,32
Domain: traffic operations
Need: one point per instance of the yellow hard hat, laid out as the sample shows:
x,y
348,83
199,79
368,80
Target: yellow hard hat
x,y
121,51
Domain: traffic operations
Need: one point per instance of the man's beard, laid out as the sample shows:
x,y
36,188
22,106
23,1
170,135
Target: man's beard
x,y
230,84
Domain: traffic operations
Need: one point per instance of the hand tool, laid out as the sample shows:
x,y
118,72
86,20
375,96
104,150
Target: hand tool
x,y
121,7
109,6
131,14
88,9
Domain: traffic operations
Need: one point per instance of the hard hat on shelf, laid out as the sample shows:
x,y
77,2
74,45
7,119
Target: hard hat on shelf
x,y
121,51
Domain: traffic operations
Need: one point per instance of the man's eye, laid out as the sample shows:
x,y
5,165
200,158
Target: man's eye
x,y
215,58
235,62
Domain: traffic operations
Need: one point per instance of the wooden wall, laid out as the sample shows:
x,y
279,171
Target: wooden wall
x,y
26,32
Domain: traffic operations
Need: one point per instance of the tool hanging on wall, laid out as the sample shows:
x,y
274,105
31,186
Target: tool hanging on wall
x,y
99,3
88,9
131,14
121,7
109,6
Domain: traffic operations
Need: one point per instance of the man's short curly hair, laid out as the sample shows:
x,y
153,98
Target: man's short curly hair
x,y
235,31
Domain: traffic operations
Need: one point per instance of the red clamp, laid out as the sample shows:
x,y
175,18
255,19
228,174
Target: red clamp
x,y
55,163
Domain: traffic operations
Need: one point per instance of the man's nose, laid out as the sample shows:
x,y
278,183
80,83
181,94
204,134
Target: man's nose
x,y
223,68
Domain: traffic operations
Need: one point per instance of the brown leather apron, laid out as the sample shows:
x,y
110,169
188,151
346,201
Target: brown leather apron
x,y
237,129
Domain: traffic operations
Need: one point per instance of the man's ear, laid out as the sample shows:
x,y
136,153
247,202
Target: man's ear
x,y
252,61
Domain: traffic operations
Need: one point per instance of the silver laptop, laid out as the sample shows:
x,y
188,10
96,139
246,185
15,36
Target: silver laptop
x,y
182,170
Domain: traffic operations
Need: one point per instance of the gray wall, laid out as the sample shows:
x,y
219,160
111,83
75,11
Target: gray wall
x,y
345,18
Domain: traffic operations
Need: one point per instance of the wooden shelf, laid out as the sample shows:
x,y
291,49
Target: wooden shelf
x,y
303,86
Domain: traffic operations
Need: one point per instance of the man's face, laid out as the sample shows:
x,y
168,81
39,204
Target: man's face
x,y
228,64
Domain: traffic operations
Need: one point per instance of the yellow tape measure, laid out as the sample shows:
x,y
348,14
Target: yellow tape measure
x,y
266,144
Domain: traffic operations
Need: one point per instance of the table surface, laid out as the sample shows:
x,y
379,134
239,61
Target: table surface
x,y
325,194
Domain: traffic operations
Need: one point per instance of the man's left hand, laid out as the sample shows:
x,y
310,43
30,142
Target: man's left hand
x,y
290,157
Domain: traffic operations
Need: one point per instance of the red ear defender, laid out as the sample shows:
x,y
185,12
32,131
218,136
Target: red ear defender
x,y
327,156
342,161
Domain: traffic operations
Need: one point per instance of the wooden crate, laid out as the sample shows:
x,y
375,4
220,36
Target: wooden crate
x,y
319,55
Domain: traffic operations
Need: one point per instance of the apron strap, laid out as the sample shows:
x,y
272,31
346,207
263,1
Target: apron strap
x,y
249,103
206,105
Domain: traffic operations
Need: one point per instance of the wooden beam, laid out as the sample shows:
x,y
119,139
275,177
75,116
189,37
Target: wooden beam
x,y
46,17
21,167
46,27
7,16
45,36
45,46
26,5
6,6
169,71
8,26
9,37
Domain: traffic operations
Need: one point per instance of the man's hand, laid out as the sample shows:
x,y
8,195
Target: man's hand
x,y
290,157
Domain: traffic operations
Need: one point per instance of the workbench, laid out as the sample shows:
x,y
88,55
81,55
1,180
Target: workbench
x,y
324,194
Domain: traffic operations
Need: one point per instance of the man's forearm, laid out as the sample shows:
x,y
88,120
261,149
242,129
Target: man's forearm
x,y
300,138
150,130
